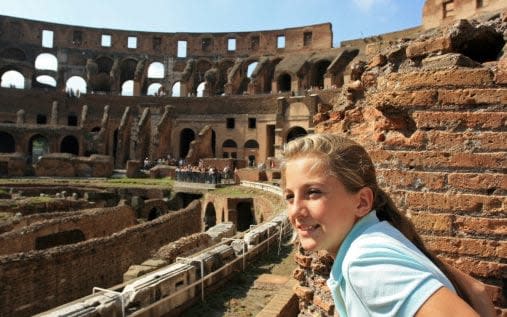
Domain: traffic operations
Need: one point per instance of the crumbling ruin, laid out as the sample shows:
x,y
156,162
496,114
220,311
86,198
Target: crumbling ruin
x,y
429,103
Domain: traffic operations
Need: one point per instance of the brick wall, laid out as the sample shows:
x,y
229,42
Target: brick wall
x,y
437,136
39,280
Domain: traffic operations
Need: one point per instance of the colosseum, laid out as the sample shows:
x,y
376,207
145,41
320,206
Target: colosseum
x,y
141,169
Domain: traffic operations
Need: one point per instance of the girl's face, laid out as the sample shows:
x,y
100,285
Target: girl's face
x,y
320,208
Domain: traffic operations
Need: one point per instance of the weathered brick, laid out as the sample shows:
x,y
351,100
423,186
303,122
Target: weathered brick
x,y
496,96
326,304
410,180
465,141
474,226
456,202
397,140
403,99
302,260
478,182
458,78
433,223
459,120
466,246
501,71
441,44
479,268
299,274
305,293
428,160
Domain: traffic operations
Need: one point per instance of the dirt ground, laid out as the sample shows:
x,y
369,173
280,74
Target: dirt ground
x,y
240,297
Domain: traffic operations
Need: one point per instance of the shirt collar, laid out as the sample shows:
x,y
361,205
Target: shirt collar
x,y
360,226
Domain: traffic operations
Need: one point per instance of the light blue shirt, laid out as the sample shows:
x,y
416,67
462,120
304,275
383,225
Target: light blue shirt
x,y
379,272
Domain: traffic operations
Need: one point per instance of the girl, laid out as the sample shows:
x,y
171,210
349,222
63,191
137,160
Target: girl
x,y
381,266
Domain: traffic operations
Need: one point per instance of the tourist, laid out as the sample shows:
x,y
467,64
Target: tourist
x,y
381,266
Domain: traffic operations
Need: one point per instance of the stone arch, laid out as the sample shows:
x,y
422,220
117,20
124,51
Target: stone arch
x,y
224,66
127,88
13,53
46,61
45,81
156,70
294,133
250,68
102,80
153,89
176,89
186,137
200,89
38,145
69,144
210,216
245,215
251,152
7,143
127,69
284,82
13,79
229,149
317,73
76,84
104,64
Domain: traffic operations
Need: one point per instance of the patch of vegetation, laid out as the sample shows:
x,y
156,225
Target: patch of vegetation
x,y
4,216
125,181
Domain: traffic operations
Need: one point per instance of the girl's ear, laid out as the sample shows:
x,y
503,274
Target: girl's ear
x,y
365,201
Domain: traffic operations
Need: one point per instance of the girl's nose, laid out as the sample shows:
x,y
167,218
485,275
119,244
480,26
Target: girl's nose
x,y
298,208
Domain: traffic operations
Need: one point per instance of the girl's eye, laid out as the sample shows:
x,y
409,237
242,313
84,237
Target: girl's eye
x,y
313,192
289,197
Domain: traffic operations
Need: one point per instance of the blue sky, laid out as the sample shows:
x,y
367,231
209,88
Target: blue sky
x,y
350,18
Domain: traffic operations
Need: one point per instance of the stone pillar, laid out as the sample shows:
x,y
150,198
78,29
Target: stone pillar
x,y
54,113
20,117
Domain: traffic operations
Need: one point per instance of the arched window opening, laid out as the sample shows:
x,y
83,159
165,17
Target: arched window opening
x,y
13,53
37,147
76,85
251,69
186,137
200,89
154,213
95,129
13,79
229,149
176,91
317,75
251,144
153,89
69,145
46,61
127,88
46,80
284,83
7,143
295,133
210,217
156,70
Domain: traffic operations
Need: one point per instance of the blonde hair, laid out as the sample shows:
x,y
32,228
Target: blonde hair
x,y
349,162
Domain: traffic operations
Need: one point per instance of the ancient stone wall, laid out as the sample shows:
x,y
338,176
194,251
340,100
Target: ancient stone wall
x,y
39,280
435,129
440,12
92,223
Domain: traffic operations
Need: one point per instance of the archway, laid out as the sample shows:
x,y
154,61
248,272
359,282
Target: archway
x,y
317,74
7,143
46,81
284,82
46,61
76,84
153,89
200,89
245,215
210,216
127,88
13,79
176,90
156,70
154,213
37,146
186,137
251,151
69,144
295,133
229,149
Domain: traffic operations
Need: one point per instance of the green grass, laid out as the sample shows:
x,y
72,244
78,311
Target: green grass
x,y
125,181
